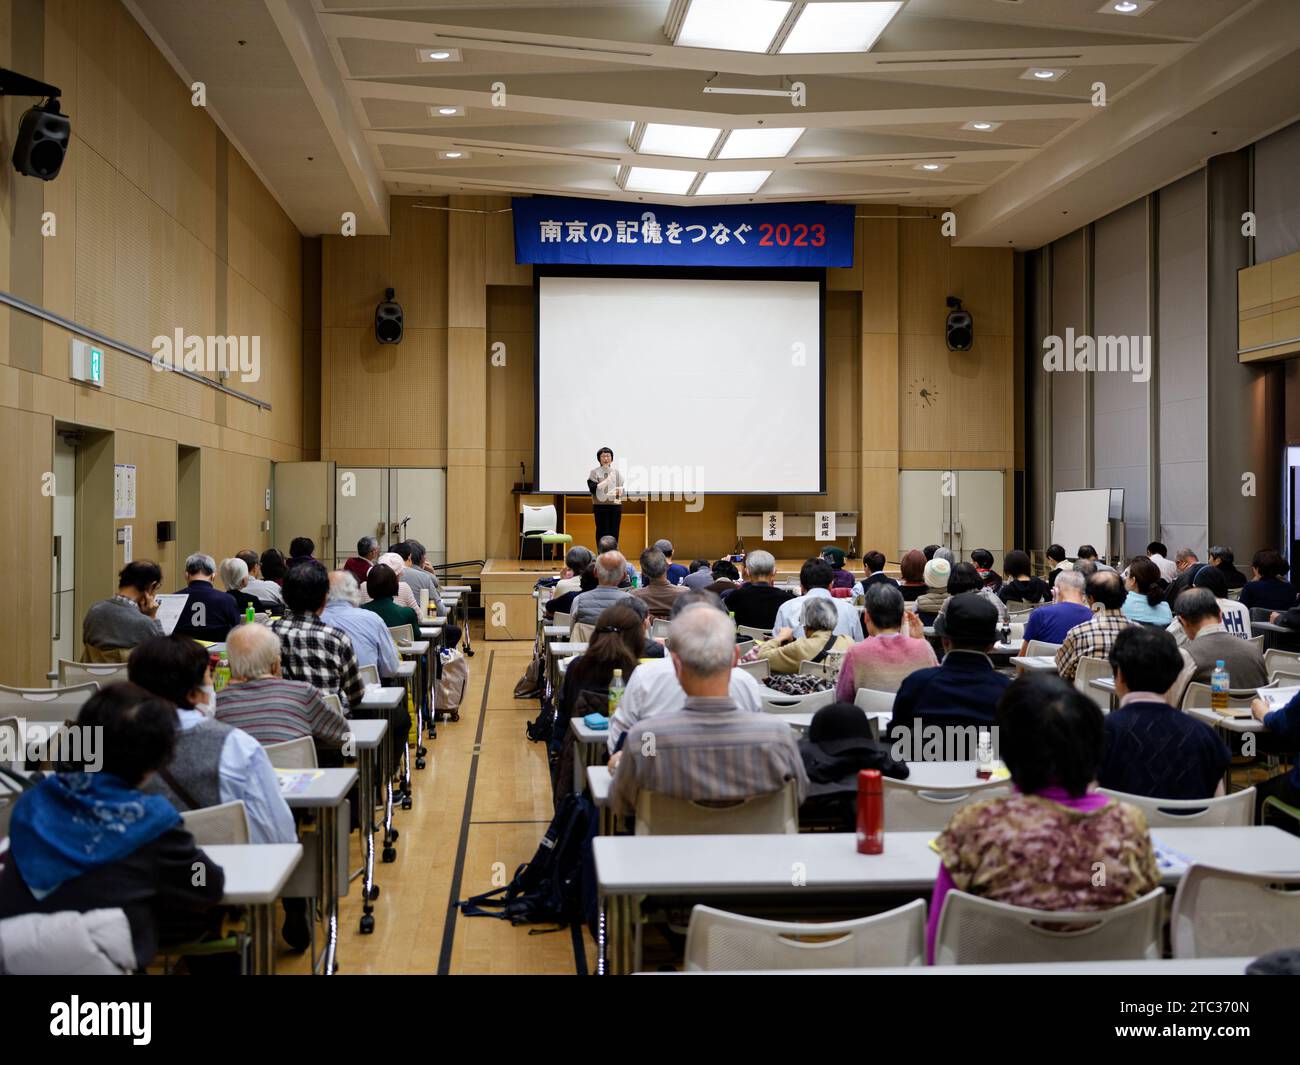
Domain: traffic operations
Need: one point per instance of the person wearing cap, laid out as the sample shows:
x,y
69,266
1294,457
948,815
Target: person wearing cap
x,y
840,577
964,688
676,571
838,745
930,602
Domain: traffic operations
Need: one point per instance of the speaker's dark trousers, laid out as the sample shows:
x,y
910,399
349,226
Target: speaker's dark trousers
x,y
608,516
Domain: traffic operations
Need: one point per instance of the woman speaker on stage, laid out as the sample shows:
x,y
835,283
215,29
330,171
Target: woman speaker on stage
x,y
605,483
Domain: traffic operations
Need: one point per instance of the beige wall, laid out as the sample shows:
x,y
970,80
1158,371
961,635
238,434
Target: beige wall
x,y
460,287
160,224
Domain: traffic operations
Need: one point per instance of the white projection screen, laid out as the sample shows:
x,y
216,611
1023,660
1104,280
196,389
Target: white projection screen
x,y
699,385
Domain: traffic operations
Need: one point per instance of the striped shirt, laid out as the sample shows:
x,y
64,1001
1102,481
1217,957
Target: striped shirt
x,y
319,654
275,710
1090,639
711,749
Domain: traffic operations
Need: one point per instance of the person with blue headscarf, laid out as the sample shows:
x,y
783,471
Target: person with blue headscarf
x,y
87,838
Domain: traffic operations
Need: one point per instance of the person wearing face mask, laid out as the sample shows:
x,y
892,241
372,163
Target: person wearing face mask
x,y
213,763
605,482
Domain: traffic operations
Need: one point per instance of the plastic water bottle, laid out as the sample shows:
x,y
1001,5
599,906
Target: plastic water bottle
x,y
634,580
1219,688
221,675
984,763
249,614
615,691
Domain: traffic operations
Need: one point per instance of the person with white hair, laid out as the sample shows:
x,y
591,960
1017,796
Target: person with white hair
x,y
755,603
234,575
611,568
785,651
208,613
710,749
371,639
270,708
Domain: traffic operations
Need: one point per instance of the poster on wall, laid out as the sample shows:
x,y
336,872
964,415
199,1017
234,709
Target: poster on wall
x,y
123,491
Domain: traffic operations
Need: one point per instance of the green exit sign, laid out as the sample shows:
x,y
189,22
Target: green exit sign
x,y
87,363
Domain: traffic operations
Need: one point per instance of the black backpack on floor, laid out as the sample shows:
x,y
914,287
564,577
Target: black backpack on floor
x,y
551,888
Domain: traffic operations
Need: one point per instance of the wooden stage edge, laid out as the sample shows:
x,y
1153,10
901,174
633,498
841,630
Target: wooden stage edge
x,y
510,611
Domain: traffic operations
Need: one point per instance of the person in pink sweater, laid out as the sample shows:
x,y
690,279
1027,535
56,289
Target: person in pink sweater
x,y
888,654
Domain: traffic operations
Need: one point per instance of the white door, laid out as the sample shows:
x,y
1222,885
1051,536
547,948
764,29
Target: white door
x,y
361,508
302,504
923,508
978,514
417,509
64,636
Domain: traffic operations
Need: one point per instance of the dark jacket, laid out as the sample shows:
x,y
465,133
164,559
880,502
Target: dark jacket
x,y
963,690
1156,750
756,604
219,612
1270,594
832,769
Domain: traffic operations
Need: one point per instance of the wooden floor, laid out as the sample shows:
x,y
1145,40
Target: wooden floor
x,y
443,838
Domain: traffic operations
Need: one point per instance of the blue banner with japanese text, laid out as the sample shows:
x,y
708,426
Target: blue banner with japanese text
x,y
572,231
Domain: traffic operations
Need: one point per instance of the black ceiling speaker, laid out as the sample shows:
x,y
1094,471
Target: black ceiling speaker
x,y
44,133
388,320
959,330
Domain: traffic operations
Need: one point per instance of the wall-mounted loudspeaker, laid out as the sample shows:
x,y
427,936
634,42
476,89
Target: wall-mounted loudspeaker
x,y
959,330
388,320
44,132
166,532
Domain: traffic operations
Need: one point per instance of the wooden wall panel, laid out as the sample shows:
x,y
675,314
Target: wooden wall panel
x,y
26,523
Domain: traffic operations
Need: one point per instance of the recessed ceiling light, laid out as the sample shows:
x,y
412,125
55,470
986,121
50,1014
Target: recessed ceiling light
x,y
1044,74
981,126
734,25
692,142
439,55
760,143
732,182
1126,7
653,179
931,167
453,154
840,27
445,110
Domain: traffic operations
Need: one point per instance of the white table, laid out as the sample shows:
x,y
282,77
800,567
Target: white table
x,y
255,875
697,868
588,746
1035,663
388,700
600,782
948,776
802,722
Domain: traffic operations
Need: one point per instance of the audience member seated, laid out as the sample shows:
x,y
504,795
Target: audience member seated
x,y
1188,565
1268,589
815,577
271,572
267,593
1222,559
610,543
654,688
938,571
270,708
725,578
1165,567
840,577
84,841
964,688
1145,601
311,650
1021,586
929,551
1235,617
382,586
405,595
113,626
966,580
874,562
1284,728
234,575
889,655
676,571
1152,748
1094,637
655,591
785,651
1208,642
653,647
618,642
1056,562
418,577
1049,624
576,562
911,569
838,746
359,565
564,604
301,547
208,613
372,643
756,602
1041,846
1088,553
700,575
983,560
711,749
611,571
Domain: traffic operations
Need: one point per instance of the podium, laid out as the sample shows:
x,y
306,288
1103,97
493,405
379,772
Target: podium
x,y
580,523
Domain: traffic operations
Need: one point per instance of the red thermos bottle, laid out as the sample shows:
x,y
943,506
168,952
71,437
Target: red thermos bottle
x,y
871,812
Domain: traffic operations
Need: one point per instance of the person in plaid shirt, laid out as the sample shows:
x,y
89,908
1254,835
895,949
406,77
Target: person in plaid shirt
x,y
1094,638
310,650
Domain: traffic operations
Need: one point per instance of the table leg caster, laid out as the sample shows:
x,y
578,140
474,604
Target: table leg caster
x,y
390,854
419,763
374,892
367,924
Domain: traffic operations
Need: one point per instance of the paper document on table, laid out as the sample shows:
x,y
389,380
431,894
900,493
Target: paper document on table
x,y
296,781
1278,697
1169,860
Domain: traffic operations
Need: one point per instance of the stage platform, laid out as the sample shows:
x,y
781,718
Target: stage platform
x,y
510,611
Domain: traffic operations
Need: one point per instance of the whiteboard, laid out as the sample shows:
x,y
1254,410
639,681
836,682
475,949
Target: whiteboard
x,y
1082,517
